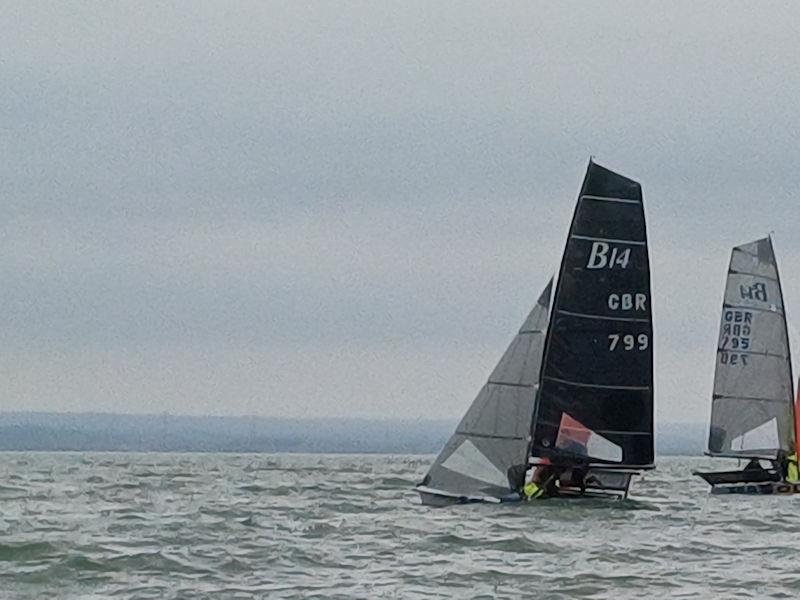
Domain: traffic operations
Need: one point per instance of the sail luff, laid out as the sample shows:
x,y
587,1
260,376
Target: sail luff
x,y
550,300
797,423
788,344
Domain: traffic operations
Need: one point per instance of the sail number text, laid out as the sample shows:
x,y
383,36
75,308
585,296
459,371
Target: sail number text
x,y
628,341
757,291
735,335
606,256
732,358
627,301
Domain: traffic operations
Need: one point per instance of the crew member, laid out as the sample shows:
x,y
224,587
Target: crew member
x,y
792,472
542,483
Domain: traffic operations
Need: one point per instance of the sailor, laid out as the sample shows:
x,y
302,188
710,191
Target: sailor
x,y
541,482
531,490
786,465
575,477
792,473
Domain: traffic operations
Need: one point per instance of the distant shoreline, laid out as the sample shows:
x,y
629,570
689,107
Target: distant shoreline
x,y
82,432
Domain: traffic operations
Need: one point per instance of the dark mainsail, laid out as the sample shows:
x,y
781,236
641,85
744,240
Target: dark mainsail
x,y
752,409
487,454
595,401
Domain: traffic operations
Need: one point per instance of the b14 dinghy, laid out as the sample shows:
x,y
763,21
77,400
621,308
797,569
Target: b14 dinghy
x,y
753,414
571,401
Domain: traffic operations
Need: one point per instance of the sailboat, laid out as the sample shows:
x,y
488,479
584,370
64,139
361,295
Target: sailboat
x,y
575,387
753,411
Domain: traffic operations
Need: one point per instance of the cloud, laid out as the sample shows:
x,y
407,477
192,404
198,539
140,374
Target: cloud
x,y
349,209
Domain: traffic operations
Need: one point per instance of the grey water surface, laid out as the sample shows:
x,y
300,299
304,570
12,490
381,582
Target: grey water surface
x,y
141,526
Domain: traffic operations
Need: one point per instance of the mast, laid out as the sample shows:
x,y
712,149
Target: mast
x,y
797,424
595,399
786,332
550,302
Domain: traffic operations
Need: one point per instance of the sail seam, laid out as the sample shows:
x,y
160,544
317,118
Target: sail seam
x,y
611,431
489,436
595,385
731,271
754,255
751,399
519,385
777,311
610,199
603,317
609,240
751,353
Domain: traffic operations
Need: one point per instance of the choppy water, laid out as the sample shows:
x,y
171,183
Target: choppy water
x,y
296,526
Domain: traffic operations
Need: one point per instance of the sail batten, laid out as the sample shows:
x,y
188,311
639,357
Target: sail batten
x,y
487,454
753,384
597,385
760,276
766,309
611,199
750,398
591,238
597,372
604,317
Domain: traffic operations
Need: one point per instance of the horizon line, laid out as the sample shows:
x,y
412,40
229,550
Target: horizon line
x,y
257,416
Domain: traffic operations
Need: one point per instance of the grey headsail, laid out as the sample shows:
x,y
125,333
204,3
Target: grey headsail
x,y
595,402
487,454
752,409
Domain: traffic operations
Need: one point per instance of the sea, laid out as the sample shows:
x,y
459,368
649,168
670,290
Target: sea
x,y
228,526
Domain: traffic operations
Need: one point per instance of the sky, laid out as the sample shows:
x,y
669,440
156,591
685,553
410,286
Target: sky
x,y
347,209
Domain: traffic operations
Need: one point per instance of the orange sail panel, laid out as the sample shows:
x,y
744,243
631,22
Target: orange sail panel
x,y
571,433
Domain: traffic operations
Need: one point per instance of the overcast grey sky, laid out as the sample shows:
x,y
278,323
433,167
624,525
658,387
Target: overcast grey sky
x,y
347,209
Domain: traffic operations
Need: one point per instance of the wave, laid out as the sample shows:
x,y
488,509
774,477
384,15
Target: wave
x,y
26,551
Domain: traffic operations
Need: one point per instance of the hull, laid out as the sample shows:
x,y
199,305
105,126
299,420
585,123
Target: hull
x,y
755,482
771,488
604,484
439,498
740,477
